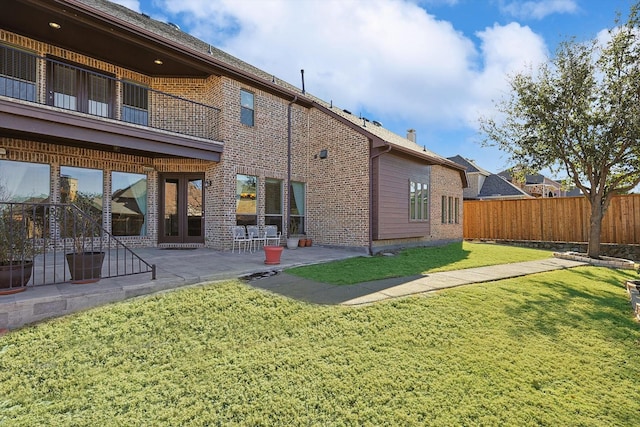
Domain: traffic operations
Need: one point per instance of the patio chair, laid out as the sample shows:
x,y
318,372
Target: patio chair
x,y
240,237
253,233
271,234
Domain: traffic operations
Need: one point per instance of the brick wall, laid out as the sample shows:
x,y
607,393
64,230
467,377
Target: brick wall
x,y
337,188
445,182
338,193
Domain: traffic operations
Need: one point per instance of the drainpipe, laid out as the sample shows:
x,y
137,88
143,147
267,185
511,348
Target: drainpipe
x,y
289,107
373,156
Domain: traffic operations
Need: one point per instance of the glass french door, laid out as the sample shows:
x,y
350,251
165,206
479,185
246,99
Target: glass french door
x,y
181,208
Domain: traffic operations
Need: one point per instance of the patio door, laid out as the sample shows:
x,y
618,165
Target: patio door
x,y
181,208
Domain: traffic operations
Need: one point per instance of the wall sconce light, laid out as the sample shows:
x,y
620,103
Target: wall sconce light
x,y
323,154
208,183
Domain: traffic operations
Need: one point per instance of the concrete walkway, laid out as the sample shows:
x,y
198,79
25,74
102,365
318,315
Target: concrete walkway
x,y
370,292
178,268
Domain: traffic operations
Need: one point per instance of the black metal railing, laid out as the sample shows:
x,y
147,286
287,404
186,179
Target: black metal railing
x,y
71,87
60,243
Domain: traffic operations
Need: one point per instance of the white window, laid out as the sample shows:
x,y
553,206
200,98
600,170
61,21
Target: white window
x,y
418,201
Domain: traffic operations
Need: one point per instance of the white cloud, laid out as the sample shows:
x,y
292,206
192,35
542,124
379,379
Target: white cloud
x,y
538,9
389,57
131,4
506,50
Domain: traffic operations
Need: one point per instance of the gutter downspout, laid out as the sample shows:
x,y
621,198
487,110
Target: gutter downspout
x,y
295,98
371,158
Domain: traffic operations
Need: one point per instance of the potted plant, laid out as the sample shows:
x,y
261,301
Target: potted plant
x,y
272,254
292,238
16,252
84,225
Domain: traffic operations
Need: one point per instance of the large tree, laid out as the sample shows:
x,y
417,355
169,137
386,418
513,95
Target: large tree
x,y
580,113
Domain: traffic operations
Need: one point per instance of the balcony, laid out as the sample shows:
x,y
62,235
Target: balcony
x,y
83,98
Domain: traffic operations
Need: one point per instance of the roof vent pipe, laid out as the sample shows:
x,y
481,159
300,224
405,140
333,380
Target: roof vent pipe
x,y
302,73
411,135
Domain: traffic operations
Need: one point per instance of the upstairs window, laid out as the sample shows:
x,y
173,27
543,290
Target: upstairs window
x,y
246,108
74,88
17,74
135,104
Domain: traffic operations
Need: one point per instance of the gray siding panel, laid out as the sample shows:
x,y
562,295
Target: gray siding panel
x,y
394,174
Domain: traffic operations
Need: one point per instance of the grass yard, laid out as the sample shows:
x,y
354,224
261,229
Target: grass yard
x,y
558,348
417,261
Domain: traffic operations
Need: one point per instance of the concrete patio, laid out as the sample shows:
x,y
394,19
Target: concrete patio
x,y
175,268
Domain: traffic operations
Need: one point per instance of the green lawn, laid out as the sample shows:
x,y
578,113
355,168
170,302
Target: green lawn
x,y
558,348
417,261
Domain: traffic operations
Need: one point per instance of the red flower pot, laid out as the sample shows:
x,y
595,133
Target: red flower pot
x,y
272,254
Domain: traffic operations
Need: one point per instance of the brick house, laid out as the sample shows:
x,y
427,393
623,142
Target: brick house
x,y
180,141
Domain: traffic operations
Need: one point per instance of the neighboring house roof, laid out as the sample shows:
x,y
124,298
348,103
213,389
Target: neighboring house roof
x,y
531,179
575,191
236,68
495,186
469,164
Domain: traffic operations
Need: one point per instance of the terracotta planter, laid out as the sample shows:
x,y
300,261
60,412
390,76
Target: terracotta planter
x,y
85,267
302,243
309,242
14,277
272,254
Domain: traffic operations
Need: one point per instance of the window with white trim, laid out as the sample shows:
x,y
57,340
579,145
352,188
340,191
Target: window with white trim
x,y
418,201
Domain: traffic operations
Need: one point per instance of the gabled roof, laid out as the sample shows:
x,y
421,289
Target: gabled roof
x,y
574,192
495,186
469,164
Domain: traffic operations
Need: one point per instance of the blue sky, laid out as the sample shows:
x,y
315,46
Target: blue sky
x,y
431,65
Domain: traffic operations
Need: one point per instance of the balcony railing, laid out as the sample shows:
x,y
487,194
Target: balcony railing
x,y
44,234
74,88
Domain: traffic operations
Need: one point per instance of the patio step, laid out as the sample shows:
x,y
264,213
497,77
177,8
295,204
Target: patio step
x,y
633,289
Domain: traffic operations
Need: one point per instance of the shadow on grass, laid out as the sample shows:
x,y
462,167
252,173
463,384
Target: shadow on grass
x,y
582,298
408,262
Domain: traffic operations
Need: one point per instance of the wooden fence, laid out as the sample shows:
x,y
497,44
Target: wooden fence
x,y
560,219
